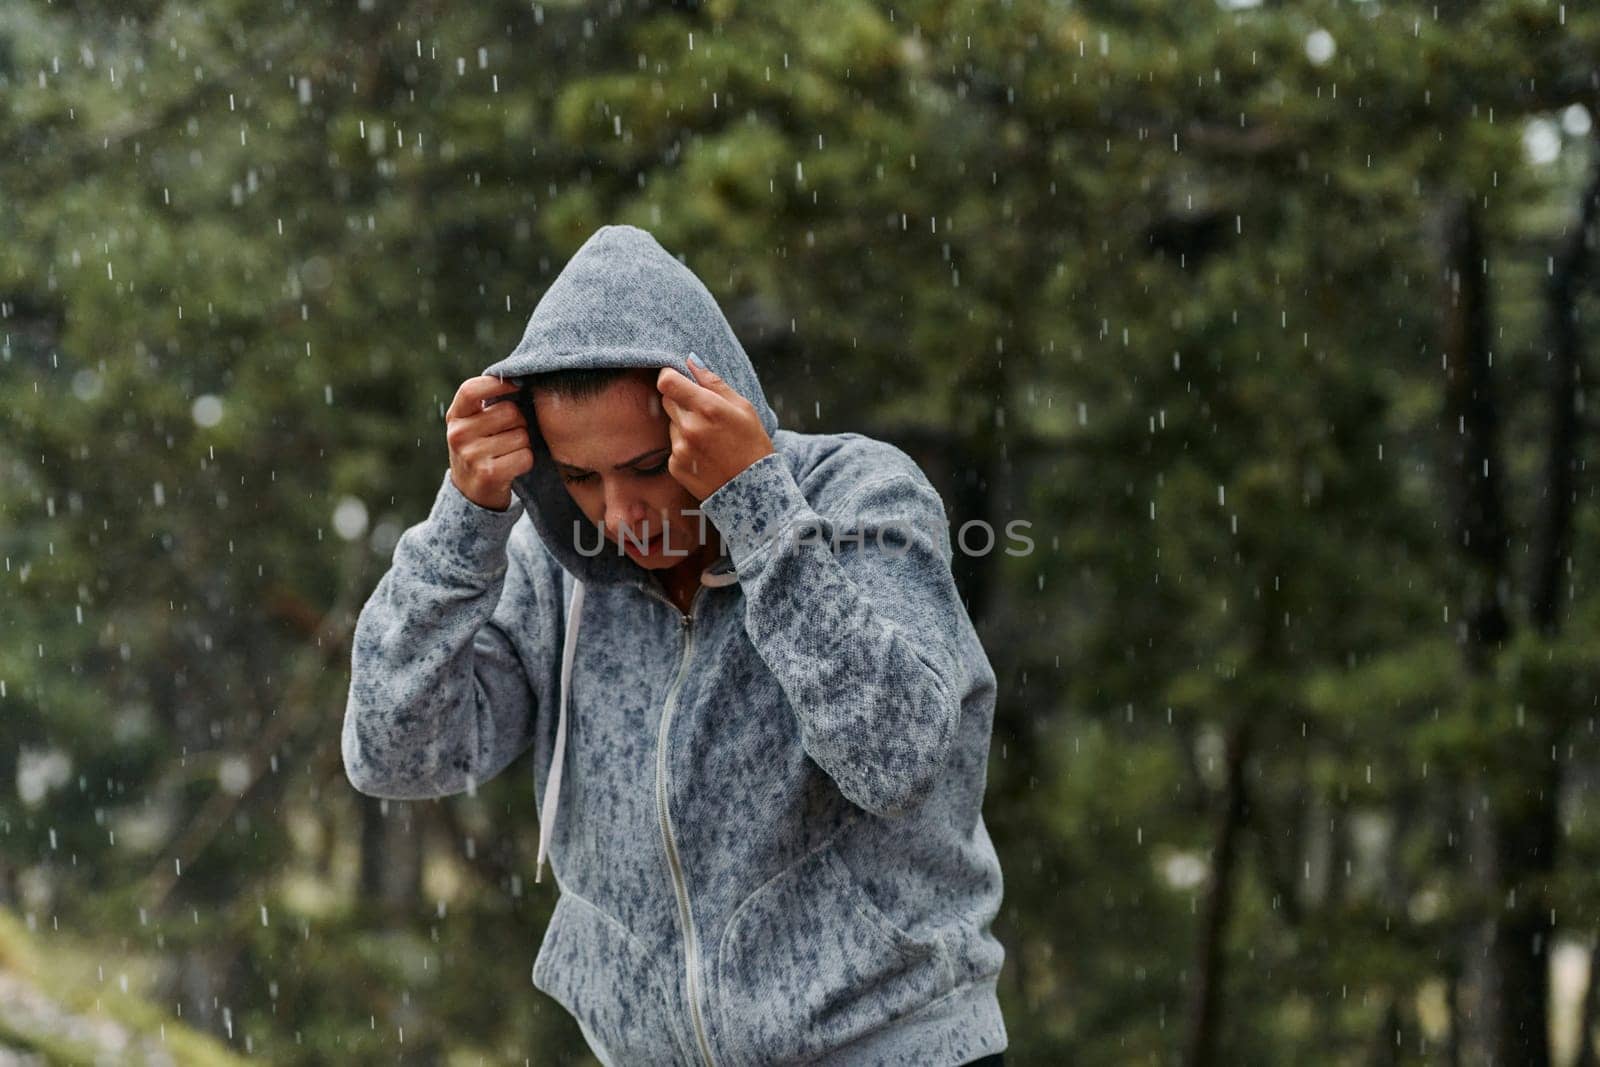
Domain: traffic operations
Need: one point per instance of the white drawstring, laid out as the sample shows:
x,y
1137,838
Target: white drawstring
x,y
552,785
716,579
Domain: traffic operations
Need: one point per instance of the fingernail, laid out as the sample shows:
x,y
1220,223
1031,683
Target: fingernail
x,y
696,361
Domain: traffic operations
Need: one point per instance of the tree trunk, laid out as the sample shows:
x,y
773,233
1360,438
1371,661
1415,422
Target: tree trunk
x,y
1586,1014
1529,830
391,857
1206,1009
1524,833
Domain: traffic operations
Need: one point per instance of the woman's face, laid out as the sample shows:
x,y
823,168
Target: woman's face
x,y
611,452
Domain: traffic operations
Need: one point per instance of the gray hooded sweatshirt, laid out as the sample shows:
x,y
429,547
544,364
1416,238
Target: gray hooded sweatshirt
x,y
763,816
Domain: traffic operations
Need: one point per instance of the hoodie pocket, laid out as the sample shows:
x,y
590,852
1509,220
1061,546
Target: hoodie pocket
x,y
808,962
599,972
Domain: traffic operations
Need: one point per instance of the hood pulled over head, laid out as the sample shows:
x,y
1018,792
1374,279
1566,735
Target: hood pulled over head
x,y
622,300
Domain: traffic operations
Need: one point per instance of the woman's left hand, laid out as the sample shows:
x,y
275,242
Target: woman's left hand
x,y
716,433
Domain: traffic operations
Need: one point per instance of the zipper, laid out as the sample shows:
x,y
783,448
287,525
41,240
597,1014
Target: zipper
x,y
691,948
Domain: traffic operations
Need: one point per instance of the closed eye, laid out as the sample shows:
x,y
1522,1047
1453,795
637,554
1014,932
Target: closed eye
x,y
644,472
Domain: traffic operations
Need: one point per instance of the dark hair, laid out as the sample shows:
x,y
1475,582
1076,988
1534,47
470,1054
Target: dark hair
x,y
577,383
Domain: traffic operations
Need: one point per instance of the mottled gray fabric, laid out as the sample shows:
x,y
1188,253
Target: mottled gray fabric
x,y
828,721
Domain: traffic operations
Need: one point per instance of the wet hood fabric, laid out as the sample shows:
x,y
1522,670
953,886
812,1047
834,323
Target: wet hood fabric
x,y
622,300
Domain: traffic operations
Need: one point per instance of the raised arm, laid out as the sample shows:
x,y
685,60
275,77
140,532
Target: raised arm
x,y
858,616
439,697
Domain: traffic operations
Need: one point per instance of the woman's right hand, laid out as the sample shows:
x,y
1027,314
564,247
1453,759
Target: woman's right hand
x,y
489,445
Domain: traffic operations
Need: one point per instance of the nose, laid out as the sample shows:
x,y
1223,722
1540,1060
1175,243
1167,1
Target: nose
x,y
627,515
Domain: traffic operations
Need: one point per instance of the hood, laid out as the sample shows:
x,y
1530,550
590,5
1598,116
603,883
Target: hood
x,y
622,300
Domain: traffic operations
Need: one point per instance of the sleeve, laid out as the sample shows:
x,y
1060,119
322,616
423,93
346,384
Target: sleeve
x,y
439,696
859,618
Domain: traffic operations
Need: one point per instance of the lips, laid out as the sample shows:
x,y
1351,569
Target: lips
x,y
649,546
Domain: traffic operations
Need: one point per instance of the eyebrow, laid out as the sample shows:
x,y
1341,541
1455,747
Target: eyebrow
x,y
624,463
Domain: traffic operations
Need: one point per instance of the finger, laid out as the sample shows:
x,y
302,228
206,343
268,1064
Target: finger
x,y
502,469
470,396
484,450
678,468
500,416
489,421
506,442
499,395
681,389
709,378
677,462
491,401
669,382
673,409
683,451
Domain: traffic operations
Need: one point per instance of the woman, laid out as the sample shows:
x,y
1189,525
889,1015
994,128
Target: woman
x,y
759,712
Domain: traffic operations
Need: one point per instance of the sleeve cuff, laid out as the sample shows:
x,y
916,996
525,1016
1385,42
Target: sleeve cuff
x,y
756,506
467,536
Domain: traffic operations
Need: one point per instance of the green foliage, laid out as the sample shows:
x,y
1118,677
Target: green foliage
x,y
1154,278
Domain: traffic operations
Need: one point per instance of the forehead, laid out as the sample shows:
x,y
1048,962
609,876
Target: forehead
x,y
597,432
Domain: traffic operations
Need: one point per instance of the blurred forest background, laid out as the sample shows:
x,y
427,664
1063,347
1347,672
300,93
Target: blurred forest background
x,y
1275,320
